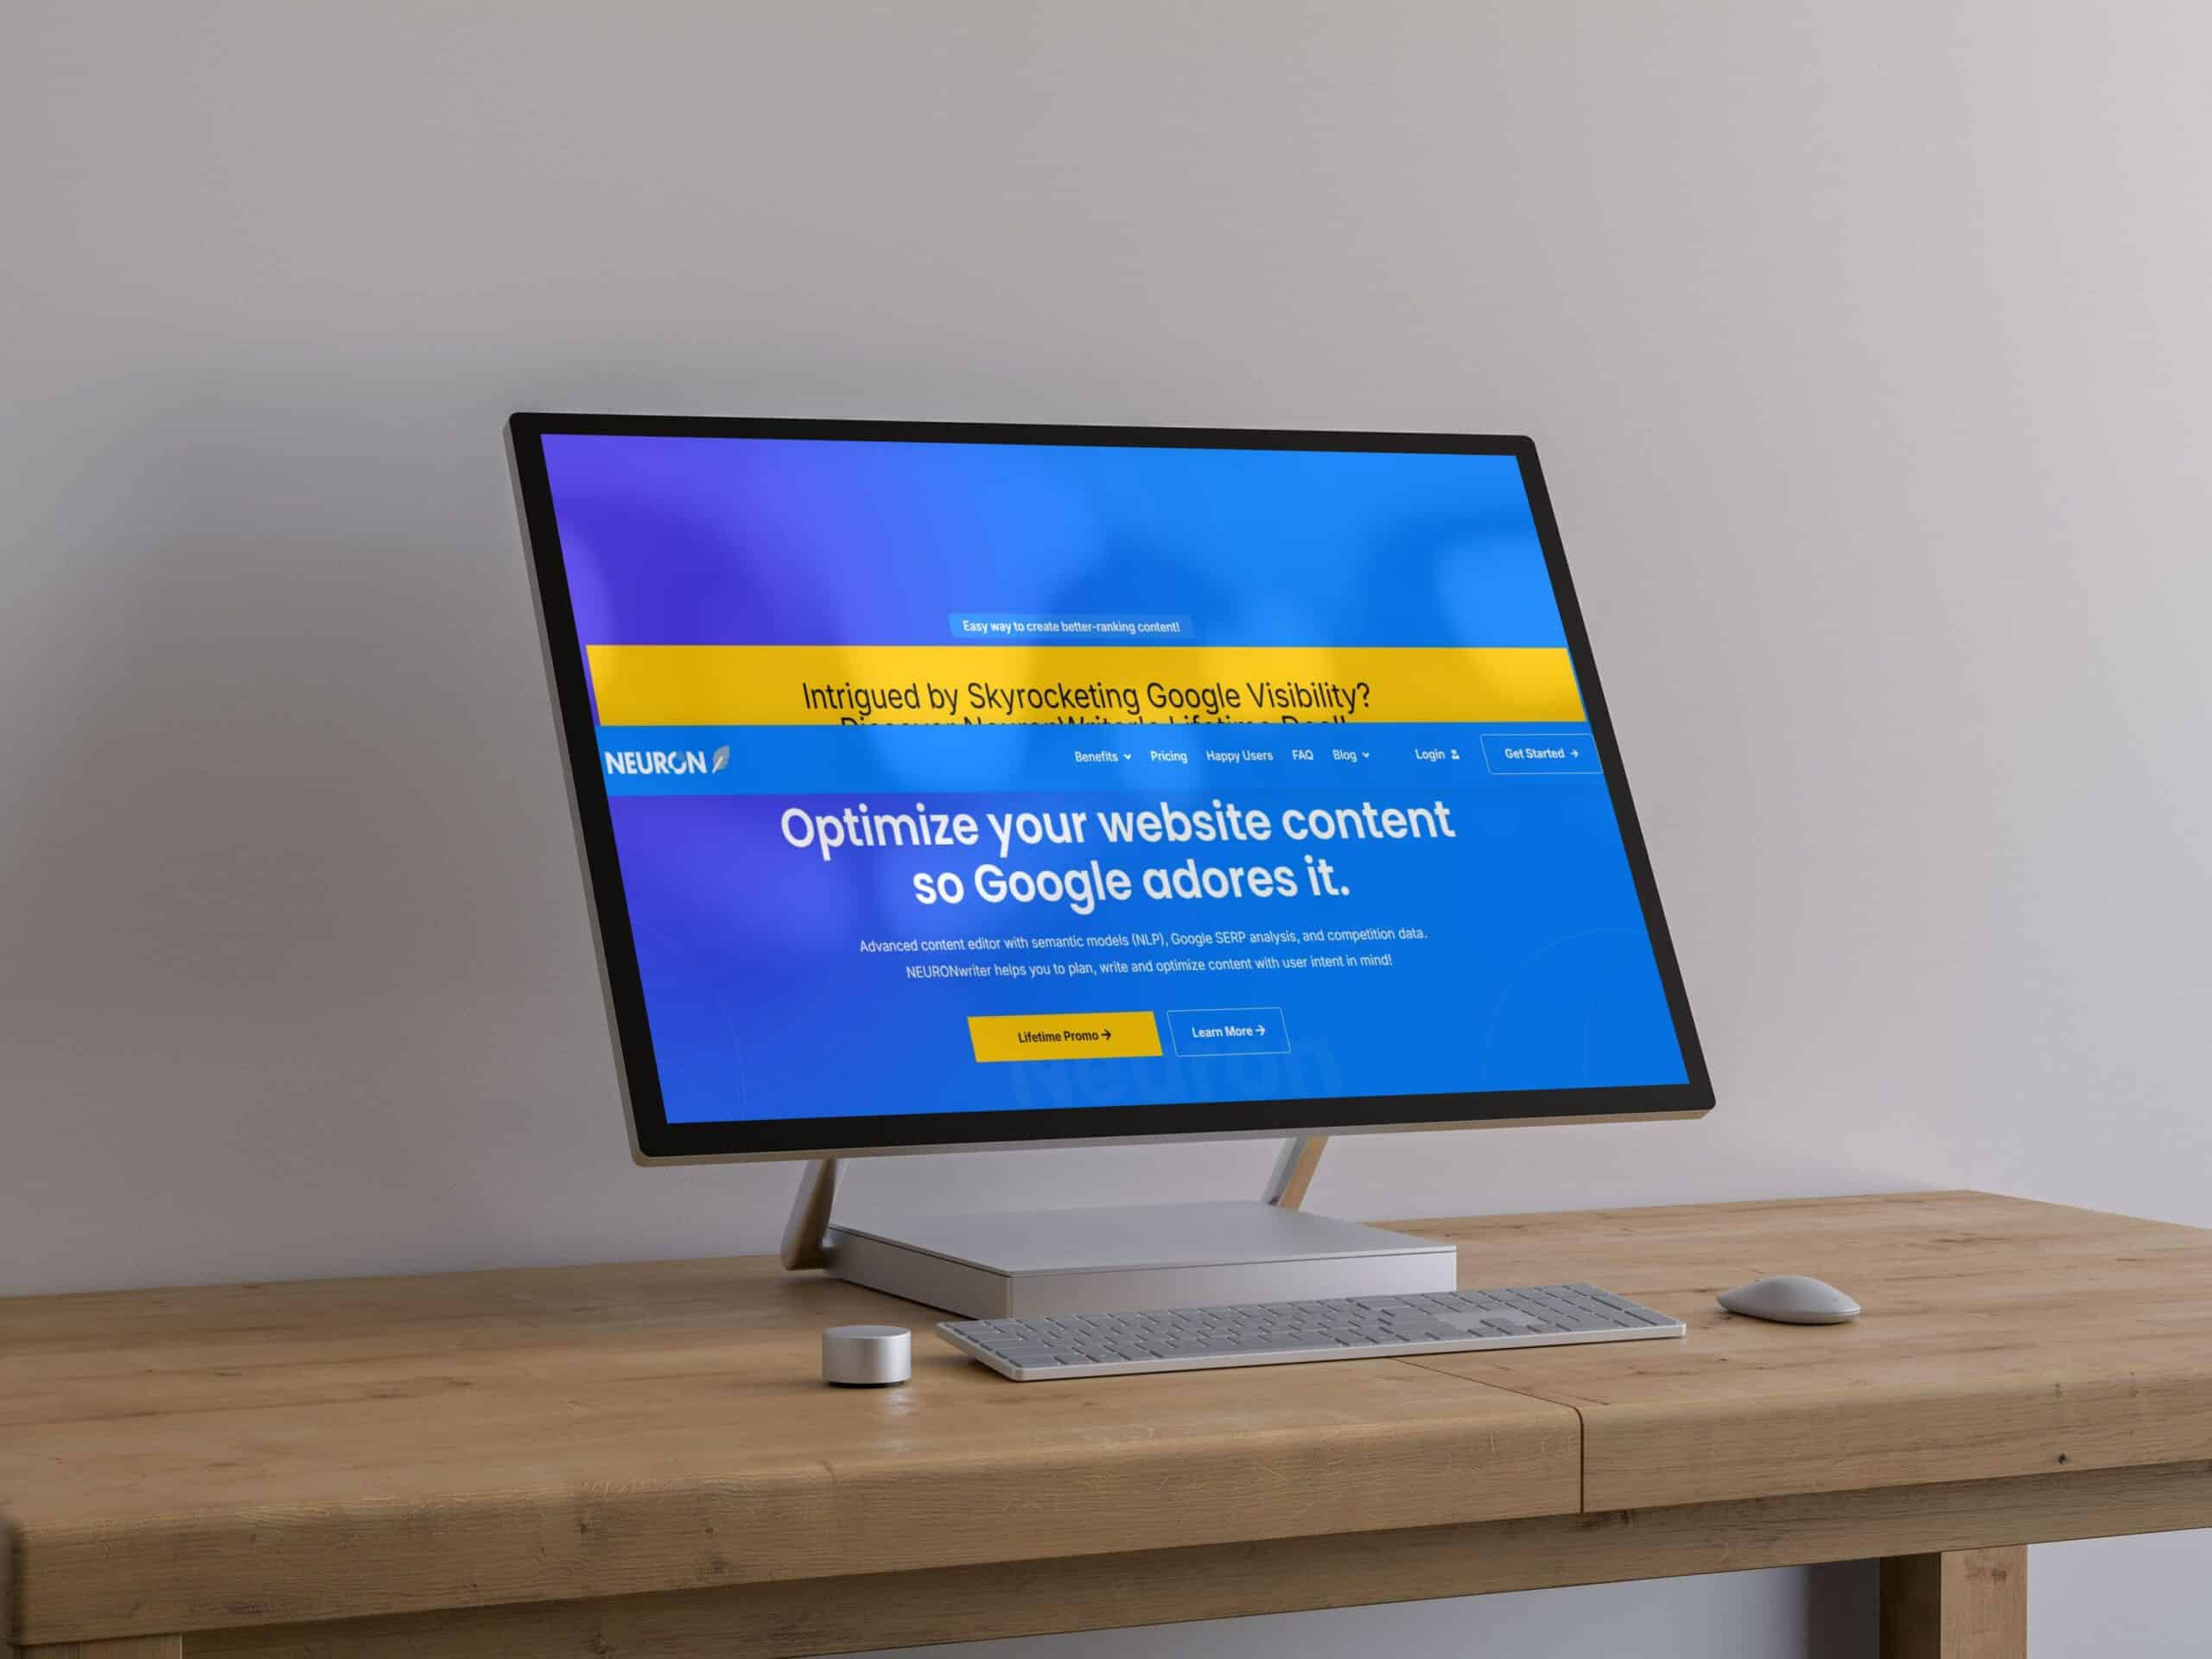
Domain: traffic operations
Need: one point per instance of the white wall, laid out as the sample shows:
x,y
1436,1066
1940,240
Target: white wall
x,y
1867,348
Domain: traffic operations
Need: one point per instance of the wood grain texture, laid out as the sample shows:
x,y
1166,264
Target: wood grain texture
x,y
207,1458
1966,1603
827,1615
130,1647
2000,1337
280,1454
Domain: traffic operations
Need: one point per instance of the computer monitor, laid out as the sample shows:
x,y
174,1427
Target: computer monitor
x,y
950,786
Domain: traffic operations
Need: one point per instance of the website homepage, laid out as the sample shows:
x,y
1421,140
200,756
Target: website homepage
x,y
964,778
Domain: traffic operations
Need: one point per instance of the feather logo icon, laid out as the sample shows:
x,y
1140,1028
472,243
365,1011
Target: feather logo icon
x,y
721,759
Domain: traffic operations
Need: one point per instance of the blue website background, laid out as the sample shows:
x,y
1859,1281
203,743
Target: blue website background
x,y
1516,955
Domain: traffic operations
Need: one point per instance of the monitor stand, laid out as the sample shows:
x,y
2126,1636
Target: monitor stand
x,y
1117,1260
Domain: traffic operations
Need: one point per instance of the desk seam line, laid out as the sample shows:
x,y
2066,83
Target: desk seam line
x,y
1581,1423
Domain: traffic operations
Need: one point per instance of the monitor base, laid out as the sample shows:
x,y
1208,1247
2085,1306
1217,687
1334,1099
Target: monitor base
x,y
1120,1260
1126,1258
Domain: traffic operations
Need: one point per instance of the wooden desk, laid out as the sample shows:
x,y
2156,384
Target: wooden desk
x,y
638,1460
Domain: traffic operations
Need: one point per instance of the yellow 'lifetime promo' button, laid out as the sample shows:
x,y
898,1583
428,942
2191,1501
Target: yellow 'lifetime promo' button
x,y
1063,1036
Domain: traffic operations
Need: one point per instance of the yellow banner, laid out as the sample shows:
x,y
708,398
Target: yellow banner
x,y
998,685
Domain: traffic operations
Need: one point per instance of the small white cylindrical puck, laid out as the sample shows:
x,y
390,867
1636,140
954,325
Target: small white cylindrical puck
x,y
867,1355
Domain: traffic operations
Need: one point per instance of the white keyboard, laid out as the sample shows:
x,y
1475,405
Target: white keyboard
x,y
1290,1333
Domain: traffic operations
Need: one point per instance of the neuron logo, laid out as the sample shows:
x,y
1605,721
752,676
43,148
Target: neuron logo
x,y
661,763
721,759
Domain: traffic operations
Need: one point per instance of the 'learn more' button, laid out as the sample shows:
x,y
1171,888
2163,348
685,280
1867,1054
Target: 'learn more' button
x,y
1203,1033
1064,1036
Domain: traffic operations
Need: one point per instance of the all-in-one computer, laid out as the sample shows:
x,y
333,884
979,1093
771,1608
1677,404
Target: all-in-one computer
x,y
945,786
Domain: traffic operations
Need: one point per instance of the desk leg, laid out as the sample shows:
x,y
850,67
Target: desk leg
x,y
1962,1604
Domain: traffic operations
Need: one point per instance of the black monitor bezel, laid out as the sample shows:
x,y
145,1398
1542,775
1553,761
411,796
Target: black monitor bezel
x,y
654,1139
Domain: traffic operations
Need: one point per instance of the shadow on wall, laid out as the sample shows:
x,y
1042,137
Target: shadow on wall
x,y
280,753
271,772
1843,1611
298,961
284,802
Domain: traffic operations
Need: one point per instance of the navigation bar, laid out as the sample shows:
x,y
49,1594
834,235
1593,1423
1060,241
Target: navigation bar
x,y
894,760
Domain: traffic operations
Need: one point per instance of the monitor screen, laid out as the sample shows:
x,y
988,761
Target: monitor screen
x,y
942,785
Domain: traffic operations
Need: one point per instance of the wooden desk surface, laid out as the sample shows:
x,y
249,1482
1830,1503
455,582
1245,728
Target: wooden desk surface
x,y
2000,1337
242,1456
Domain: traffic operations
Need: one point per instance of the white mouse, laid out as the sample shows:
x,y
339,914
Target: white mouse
x,y
1791,1299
